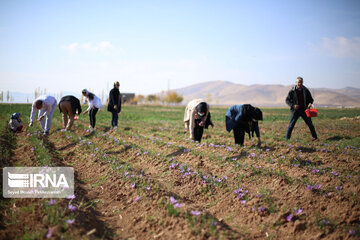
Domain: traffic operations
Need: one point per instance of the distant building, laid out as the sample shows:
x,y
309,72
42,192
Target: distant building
x,y
127,97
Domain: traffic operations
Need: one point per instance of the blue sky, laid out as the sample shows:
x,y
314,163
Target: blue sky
x,y
146,45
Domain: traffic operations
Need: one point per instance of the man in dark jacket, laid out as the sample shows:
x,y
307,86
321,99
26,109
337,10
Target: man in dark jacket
x,y
114,105
68,105
299,99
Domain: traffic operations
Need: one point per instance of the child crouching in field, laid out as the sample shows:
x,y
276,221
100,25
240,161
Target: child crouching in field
x,y
15,122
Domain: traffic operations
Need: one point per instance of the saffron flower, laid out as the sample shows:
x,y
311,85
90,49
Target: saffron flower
x,y
137,198
70,221
133,185
173,200
195,213
289,217
299,211
262,209
352,232
71,197
148,188
52,202
177,205
49,233
243,202
334,173
72,207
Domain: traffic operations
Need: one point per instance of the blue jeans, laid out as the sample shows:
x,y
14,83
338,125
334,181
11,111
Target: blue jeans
x,y
294,117
115,117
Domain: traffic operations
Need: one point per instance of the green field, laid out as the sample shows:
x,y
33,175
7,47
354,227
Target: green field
x,y
126,177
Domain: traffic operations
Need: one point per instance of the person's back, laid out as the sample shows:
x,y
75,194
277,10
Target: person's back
x,y
15,122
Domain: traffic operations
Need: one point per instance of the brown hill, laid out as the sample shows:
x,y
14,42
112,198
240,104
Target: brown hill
x,y
227,93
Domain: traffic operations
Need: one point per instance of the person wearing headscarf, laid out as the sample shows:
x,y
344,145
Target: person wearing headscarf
x,y
196,117
241,119
15,122
94,105
114,105
46,106
68,106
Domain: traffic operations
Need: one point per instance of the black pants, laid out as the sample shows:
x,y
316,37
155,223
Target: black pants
x,y
239,133
198,130
92,114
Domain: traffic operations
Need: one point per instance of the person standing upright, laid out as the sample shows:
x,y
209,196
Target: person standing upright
x,y
299,99
46,106
114,105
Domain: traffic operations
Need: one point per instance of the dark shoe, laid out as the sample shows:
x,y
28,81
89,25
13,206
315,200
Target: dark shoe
x,y
314,139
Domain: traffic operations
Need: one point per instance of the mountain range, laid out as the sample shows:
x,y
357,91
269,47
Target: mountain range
x,y
228,93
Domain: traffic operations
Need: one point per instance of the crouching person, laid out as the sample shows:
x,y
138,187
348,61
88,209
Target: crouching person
x,y
46,106
196,117
15,122
68,106
241,119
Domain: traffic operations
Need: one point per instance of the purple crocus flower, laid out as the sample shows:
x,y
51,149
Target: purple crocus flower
x,y
334,173
72,207
352,232
49,233
137,198
289,217
299,211
339,188
71,197
133,185
177,205
243,202
70,221
148,188
262,209
173,200
52,202
195,213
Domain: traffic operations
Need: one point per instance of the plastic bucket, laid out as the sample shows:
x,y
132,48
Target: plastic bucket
x,y
311,112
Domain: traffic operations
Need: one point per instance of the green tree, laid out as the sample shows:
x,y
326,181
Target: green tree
x,y
152,98
7,95
1,96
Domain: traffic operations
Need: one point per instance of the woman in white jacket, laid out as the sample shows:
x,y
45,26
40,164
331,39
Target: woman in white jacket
x,y
47,106
94,105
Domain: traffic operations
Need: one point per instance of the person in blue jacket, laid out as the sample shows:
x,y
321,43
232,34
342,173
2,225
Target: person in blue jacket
x,y
243,118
